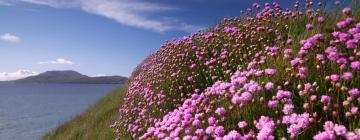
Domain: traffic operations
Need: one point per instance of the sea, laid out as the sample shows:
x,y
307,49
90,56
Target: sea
x,y
27,111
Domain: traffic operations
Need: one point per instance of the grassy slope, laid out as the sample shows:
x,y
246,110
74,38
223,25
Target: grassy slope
x,y
93,123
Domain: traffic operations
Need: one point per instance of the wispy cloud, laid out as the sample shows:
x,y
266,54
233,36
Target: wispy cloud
x,y
98,75
10,38
8,76
127,12
58,61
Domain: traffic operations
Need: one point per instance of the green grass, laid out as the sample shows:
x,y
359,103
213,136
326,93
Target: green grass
x,y
93,124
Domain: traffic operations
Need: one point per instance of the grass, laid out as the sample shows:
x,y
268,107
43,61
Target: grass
x,y
93,124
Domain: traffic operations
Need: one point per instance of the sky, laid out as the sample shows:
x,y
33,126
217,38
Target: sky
x,y
99,37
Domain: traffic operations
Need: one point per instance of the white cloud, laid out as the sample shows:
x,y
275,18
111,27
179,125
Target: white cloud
x,y
8,76
98,75
57,61
10,38
127,12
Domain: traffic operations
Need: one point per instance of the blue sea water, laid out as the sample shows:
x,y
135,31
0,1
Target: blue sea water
x,y
27,111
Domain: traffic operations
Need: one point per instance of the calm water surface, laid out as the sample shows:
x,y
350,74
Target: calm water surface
x,y
29,110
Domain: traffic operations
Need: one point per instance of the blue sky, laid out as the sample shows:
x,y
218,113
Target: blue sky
x,y
109,37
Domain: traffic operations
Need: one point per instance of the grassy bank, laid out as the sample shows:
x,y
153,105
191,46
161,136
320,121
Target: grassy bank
x,y
93,123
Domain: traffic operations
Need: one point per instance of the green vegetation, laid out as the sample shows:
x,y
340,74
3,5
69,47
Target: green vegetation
x,y
94,123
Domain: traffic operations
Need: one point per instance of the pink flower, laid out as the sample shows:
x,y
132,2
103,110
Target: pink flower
x,y
334,77
242,124
355,65
321,19
233,135
190,78
295,61
325,99
270,71
354,110
210,130
340,130
351,44
266,126
219,131
199,132
288,109
325,136
211,121
320,57
196,123
246,96
347,11
351,136
347,76
354,92
328,126
289,41
297,122
313,97
283,94
269,85
193,66
273,103
220,111
337,2
236,99
309,26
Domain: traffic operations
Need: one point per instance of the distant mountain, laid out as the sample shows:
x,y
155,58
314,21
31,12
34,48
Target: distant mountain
x,y
71,77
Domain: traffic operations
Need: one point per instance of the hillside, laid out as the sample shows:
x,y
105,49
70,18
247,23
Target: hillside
x,y
71,77
271,73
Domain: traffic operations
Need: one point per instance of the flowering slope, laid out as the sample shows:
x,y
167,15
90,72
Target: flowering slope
x,y
275,74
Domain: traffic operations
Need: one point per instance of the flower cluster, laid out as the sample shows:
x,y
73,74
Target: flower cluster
x,y
275,74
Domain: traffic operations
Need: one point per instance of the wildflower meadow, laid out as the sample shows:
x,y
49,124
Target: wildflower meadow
x,y
271,73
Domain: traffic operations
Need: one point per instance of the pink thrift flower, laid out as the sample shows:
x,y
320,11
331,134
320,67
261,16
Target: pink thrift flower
x,y
236,100
354,92
325,99
273,103
321,19
220,111
242,124
325,136
210,130
340,130
196,123
200,132
329,126
233,135
219,131
334,77
309,26
288,109
313,97
347,76
269,85
347,11
354,110
270,71
295,61
351,44
190,78
355,65
289,41
211,121
352,136
193,66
